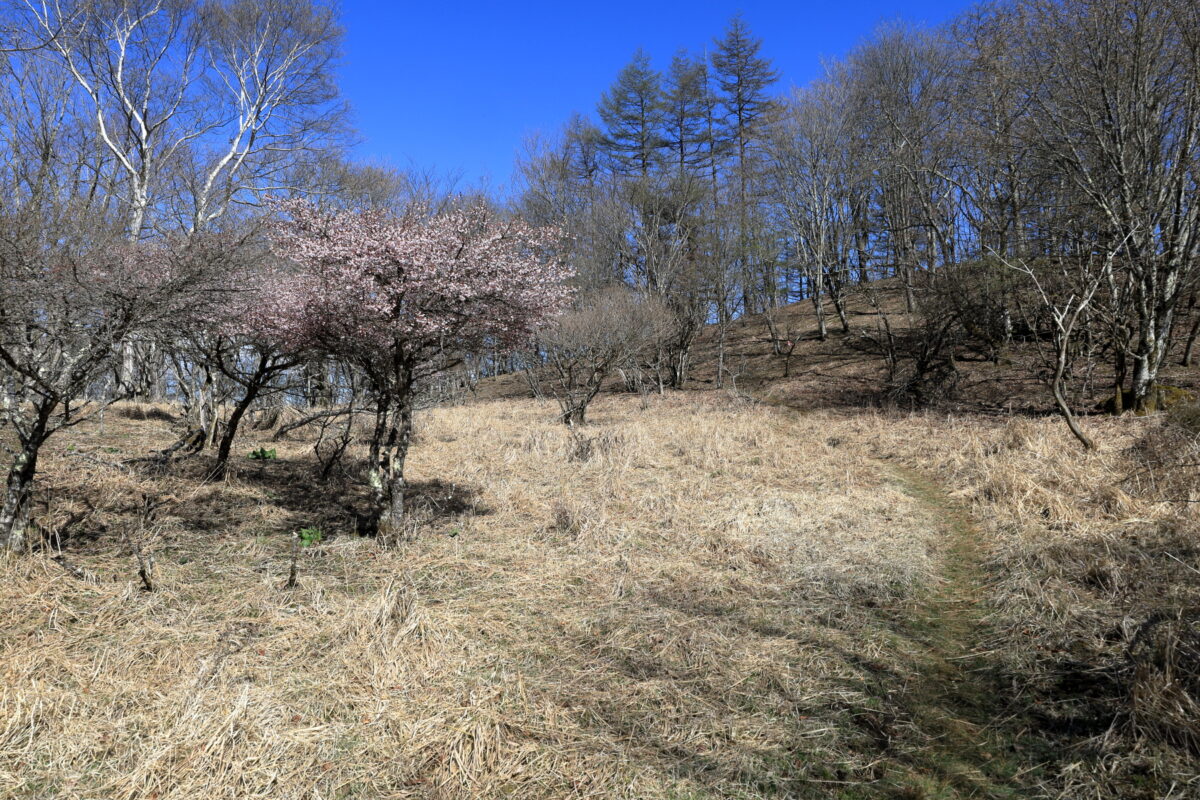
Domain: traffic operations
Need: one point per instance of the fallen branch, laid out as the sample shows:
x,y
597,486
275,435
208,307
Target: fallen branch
x,y
300,423
74,570
291,581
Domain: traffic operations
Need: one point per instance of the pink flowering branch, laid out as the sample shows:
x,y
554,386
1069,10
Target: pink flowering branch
x,y
372,286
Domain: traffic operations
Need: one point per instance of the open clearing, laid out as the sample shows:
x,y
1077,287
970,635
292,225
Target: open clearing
x,y
719,600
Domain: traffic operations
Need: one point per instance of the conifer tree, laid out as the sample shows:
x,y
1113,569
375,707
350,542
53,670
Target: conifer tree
x,y
687,107
744,77
632,114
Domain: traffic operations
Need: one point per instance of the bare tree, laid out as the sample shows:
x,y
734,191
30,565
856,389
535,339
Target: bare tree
x,y
65,310
1116,90
813,177
222,92
1066,289
583,347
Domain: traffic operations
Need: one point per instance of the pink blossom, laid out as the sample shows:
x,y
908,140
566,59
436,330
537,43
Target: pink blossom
x,y
378,287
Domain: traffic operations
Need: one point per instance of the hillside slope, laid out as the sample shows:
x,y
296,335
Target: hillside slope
x,y
848,369
696,595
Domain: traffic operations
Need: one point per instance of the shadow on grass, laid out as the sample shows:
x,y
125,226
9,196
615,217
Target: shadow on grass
x,y
342,505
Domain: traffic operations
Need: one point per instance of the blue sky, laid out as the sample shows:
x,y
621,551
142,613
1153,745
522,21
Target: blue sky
x,y
457,86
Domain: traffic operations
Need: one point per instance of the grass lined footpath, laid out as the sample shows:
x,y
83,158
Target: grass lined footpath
x,y
973,749
1072,585
944,729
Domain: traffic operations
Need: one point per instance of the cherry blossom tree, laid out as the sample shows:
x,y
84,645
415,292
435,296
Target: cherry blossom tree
x,y
403,297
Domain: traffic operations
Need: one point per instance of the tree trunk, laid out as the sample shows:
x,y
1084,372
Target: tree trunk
x,y
681,369
839,304
14,513
787,359
319,390
126,374
207,411
818,301
1191,342
1060,400
231,429
576,405
389,479
1147,361
721,354
773,332
375,475
391,517
1120,371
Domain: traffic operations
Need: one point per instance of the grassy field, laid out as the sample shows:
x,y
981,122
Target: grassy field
x,y
701,598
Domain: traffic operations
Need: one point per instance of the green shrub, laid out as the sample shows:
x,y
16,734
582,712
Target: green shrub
x,y
309,536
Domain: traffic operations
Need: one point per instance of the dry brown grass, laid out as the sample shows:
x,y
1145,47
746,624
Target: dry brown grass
x,y
700,598
684,613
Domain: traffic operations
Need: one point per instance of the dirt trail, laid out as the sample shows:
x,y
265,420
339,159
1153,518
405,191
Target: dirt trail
x,y
970,746
957,739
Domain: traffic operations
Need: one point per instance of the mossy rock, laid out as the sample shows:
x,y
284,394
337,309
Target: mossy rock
x,y
1186,416
1165,398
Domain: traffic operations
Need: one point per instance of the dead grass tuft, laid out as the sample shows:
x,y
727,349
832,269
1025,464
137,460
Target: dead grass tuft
x,y
1164,679
156,412
1165,459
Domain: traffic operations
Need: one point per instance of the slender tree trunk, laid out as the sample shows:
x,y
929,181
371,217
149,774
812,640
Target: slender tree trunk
x,y
375,476
721,356
392,459
773,332
818,301
128,371
208,412
787,359
682,360
1060,399
910,300
838,296
231,429
14,513
1189,350
391,518
1120,371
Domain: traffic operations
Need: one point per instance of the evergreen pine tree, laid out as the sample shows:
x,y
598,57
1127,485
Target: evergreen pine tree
x,y
743,77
